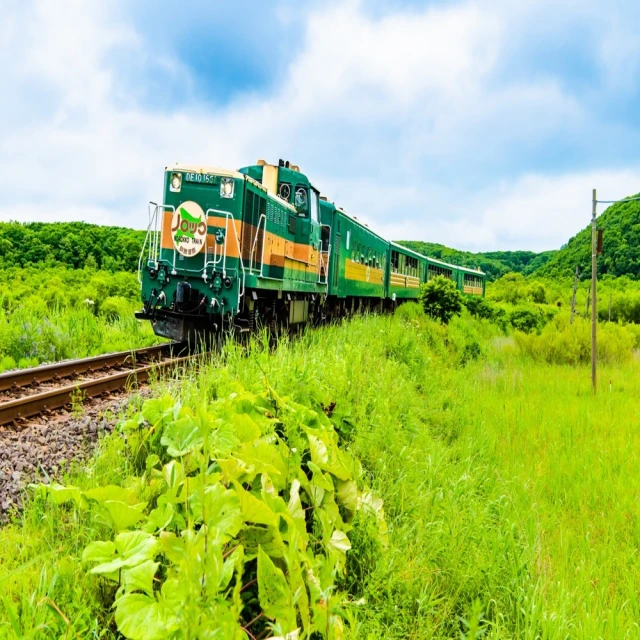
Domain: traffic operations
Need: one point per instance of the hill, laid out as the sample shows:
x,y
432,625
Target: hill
x,y
620,251
75,244
494,263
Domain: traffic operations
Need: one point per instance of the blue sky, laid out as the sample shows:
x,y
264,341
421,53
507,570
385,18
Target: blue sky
x,y
481,125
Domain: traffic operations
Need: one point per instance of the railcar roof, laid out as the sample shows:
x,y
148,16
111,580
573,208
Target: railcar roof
x,y
361,224
455,266
411,252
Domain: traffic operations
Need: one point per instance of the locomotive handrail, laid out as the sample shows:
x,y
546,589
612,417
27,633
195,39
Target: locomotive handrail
x,y
255,242
326,266
154,247
228,215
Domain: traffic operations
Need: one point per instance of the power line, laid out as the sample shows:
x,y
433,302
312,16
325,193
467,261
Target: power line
x,y
616,201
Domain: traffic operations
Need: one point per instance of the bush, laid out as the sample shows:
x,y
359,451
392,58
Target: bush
x,y
485,310
526,319
564,343
114,308
531,318
441,299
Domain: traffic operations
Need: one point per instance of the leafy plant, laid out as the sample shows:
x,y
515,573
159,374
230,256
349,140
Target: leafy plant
x,y
441,299
238,524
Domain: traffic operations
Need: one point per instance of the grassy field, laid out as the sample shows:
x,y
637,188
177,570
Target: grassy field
x,y
510,491
49,314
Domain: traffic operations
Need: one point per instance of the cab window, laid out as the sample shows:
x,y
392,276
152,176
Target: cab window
x,y
313,204
301,200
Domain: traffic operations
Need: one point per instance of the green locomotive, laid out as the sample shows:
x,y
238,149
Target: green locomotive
x,y
260,245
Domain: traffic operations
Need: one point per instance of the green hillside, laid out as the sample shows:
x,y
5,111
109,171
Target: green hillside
x,y
621,246
75,244
494,263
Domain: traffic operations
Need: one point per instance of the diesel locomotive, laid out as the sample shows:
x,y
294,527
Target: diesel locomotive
x,y
234,249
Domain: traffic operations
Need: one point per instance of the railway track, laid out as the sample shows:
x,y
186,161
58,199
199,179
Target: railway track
x,y
41,389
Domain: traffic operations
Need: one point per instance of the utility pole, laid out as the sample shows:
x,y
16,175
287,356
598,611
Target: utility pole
x,y
594,276
573,298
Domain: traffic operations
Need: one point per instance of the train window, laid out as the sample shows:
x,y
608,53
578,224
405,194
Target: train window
x,y
436,270
348,239
313,202
284,191
395,261
301,201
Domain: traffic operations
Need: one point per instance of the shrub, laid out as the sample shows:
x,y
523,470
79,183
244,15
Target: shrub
x,y
114,308
526,319
441,299
564,343
485,310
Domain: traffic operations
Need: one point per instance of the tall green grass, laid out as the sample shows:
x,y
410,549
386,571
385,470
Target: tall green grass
x,y
52,314
510,489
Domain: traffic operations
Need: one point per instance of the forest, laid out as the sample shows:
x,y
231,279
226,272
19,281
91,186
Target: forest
x,y
74,244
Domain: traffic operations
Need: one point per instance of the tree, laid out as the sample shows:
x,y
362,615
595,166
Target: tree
x,y
441,299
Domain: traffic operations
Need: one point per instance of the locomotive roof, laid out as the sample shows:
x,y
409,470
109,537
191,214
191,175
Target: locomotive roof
x,y
198,168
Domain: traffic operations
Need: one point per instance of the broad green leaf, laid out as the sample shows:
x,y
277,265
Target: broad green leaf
x,y
265,458
347,494
131,548
111,492
140,577
159,410
160,518
172,547
339,541
140,617
235,469
152,461
99,551
326,454
274,594
222,439
60,494
269,539
373,504
295,508
320,479
121,515
136,546
233,562
245,427
182,436
223,513
254,509
173,474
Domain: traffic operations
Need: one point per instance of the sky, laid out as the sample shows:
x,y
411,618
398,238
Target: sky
x,y
481,125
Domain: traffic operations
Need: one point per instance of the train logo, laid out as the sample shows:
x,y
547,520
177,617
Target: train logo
x,y
189,229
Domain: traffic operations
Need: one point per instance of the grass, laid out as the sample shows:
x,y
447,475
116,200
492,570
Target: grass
x,y
53,313
511,492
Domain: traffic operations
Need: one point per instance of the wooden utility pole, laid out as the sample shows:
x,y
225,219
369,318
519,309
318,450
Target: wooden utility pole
x,y
573,298
586,309
594,276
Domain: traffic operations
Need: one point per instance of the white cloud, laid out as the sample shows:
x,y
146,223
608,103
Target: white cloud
x,y
401,119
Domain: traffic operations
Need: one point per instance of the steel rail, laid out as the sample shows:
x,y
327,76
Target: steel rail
x,y
68,368
29,406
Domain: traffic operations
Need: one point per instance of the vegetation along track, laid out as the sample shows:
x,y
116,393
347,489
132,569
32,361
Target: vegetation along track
x,y
39,389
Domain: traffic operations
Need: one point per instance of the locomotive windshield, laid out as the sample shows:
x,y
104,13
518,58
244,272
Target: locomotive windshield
x,y
301,201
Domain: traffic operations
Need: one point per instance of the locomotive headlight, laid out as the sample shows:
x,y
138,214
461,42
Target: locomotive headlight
x,y
175,184
226,188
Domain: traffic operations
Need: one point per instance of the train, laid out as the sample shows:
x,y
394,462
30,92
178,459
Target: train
x,y
261,246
